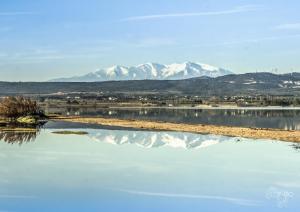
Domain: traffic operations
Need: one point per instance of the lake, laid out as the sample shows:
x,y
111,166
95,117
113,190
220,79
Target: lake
x,y
260,118
119,170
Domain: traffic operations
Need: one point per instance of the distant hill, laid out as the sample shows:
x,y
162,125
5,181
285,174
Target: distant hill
x,y
153,71
240,84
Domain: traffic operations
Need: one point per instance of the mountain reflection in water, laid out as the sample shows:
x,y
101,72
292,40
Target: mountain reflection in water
x,y
88,173
159,139
144,139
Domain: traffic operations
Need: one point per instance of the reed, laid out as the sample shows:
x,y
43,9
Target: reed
x,y
14,107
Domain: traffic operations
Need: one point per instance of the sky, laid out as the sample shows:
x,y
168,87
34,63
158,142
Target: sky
x,y
45,39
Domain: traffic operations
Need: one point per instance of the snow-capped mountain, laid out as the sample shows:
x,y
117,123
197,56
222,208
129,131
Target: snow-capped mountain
x,y
153,71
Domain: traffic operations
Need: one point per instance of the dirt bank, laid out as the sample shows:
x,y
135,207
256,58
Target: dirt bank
x,y
256,133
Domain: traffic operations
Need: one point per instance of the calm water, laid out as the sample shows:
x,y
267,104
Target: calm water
x,y
117,170
281,119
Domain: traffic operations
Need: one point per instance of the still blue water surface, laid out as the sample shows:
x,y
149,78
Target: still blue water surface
x,y
119,170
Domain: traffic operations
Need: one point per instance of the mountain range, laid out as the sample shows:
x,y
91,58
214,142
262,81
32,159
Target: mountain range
x,y
153,71
235,84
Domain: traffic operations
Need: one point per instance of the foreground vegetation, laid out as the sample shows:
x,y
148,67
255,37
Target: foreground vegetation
x,y
20,110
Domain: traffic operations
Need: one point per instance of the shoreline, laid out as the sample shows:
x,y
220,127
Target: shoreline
x,y
254,133
199,107
223,107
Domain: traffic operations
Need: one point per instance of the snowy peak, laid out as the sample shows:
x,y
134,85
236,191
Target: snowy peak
x,y
153,71
190,69
115,71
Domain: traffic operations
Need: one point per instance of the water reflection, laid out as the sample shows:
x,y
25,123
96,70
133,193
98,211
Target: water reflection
x,y
18,137
20,134
282,119
296,146
80,174
159,139
144,139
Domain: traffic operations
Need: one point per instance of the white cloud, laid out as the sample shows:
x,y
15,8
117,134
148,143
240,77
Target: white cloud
x,y
240,9
291,26
238,201
255,40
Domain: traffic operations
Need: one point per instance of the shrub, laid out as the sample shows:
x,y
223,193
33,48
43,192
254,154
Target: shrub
x,y
14,107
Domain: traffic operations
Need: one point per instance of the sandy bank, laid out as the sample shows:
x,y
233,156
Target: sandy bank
x,y
255,133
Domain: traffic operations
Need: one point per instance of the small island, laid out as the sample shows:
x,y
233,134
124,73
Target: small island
x,y
68,132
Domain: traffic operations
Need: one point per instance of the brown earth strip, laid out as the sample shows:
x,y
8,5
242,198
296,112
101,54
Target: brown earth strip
x,y
17,129
255,133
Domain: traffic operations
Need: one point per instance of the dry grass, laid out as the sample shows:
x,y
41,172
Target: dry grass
x,y
65,132
14,107
255,133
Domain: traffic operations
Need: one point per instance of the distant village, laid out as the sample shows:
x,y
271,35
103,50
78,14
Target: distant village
x,y
151,100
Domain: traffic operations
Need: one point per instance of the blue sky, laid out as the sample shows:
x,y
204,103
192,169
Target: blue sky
x,y
46,39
